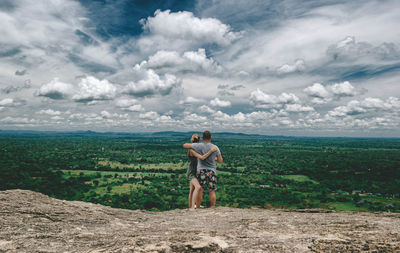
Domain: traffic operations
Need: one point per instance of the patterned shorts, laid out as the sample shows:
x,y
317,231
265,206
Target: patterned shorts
x,y
207,179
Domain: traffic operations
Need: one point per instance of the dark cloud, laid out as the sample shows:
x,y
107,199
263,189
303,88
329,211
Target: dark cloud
x,y
225,93
21,72
237,87
223,86
4,52
14,88
7,5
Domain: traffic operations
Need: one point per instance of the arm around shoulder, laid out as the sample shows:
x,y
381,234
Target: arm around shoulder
x,y
187,145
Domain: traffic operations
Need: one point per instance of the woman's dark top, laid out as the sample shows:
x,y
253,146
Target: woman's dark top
x,y
191,170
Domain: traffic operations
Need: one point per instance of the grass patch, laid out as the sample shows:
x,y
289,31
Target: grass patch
x,y
345,206
299,178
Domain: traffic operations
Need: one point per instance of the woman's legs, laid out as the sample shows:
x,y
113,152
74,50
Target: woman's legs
x,y
191,193
197,193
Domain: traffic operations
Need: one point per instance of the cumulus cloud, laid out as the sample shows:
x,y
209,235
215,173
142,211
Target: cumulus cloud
x,y
7,102
55,89
206,109
344,89
11,102
317,90
191,100
349,48
151,83
193,61
298,108
91,89
49,112
322,94
149,115
185,25
17,120
299,65
129,105
185,30
260,99
216,102
367,106
193,117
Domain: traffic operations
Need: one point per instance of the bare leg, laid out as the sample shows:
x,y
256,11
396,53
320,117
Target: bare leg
x,y
200,197
197,193
213,198
191,193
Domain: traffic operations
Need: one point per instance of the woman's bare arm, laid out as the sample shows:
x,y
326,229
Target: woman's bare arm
x,y
203,157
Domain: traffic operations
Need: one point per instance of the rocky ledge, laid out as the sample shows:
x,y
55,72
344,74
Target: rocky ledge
x,y
33,222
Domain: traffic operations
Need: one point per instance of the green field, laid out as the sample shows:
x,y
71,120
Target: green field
x,y
148,172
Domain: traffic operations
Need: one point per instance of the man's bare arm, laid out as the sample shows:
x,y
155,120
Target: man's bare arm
x,y
203,157
187,145
219,158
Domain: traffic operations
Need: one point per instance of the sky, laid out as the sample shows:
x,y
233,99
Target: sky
x,y
293,68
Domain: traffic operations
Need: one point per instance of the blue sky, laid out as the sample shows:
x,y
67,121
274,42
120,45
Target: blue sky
x,y
309,68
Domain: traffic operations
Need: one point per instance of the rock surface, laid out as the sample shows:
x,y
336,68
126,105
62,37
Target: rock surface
x,y
33,222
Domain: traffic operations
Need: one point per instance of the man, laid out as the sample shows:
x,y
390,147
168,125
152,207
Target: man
x,y
206,169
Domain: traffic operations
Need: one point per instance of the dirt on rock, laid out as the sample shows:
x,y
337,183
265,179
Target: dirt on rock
x,y
33,222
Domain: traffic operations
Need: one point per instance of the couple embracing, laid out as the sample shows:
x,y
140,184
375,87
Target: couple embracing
x,y
202,169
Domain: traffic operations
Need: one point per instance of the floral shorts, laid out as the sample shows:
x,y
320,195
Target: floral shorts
x,y
207,179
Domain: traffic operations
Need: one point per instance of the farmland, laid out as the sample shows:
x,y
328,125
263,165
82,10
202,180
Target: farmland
x,y
138,171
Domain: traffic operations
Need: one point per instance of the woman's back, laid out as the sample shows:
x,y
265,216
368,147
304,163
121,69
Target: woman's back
x,y
191,171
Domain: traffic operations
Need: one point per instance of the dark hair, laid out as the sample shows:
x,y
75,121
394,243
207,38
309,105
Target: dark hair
x,y
206,135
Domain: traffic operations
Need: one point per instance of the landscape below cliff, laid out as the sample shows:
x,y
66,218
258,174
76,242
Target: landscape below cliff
x,y
33,222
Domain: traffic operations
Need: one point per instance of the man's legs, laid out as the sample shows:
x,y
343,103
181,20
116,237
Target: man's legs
x,y
213,198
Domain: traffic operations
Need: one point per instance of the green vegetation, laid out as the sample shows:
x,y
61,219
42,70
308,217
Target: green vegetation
x,y
148,171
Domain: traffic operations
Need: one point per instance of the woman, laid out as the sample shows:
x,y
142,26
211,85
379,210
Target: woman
x,y
191,170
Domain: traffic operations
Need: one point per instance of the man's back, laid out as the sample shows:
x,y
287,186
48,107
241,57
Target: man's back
x,y
209,162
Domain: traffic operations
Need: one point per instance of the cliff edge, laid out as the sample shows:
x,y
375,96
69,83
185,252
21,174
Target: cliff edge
x,y
33,222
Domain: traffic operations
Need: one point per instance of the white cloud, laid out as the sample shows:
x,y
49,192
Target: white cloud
x,y
191,100
17,120
299,65
193,117
125,102
317,90
298,108
369,106
129,105
343,89
151,83
55,89
149,115
262,100
90,89
7,102
323,94
349,48
49,112
206,109
135,108
185,29
105,114
216,102
193,61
